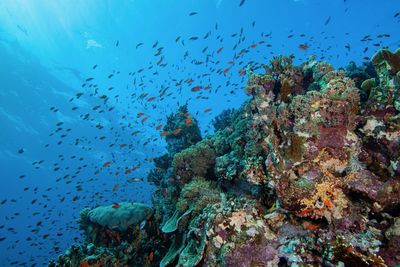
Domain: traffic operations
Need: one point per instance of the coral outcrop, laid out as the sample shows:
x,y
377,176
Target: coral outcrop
x,y
306,173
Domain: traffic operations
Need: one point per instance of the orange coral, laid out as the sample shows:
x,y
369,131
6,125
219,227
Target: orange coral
x,y
328,201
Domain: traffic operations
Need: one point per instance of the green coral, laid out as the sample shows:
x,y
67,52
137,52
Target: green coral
x,y
172,224
179,133
197,194
173,251
196,160
192,254
387,65
120,218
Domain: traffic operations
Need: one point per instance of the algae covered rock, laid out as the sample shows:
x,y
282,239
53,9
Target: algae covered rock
x,y
127,214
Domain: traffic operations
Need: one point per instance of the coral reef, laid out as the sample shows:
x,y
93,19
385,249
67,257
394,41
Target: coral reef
x,y
224,119
181,130
305,173
115,235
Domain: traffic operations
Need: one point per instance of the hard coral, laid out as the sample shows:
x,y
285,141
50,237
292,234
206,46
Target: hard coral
x,y
197,160
197,194
224,119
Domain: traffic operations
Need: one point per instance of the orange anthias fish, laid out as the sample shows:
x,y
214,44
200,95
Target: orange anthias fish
x,y
144,119
226,70
304,47
207,110
311,226
106,164
188,121
135,167
140,114
115,205
151,99
196,88
177,131
159,127
164,133
122,145
115,188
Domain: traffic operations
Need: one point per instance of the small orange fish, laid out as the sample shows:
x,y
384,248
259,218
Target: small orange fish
x,y
159,127
207,110
311,226
196,88
188,120
122,145
151,98
164,133
177,131
242,72
116,206
115,188
219,50
128,171
135,167
253,46
144,119
106,164
304,47
186,114
140,114
226,70
151,256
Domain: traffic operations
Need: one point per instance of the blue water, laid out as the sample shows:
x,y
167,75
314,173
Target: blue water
x,y
48,49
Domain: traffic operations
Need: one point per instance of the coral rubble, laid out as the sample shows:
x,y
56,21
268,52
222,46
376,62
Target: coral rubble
x,y
305,173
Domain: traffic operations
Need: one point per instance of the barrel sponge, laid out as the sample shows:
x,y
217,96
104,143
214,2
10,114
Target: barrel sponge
x,y
120,218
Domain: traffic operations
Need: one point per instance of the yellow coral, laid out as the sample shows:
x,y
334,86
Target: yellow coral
x,y
328,201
